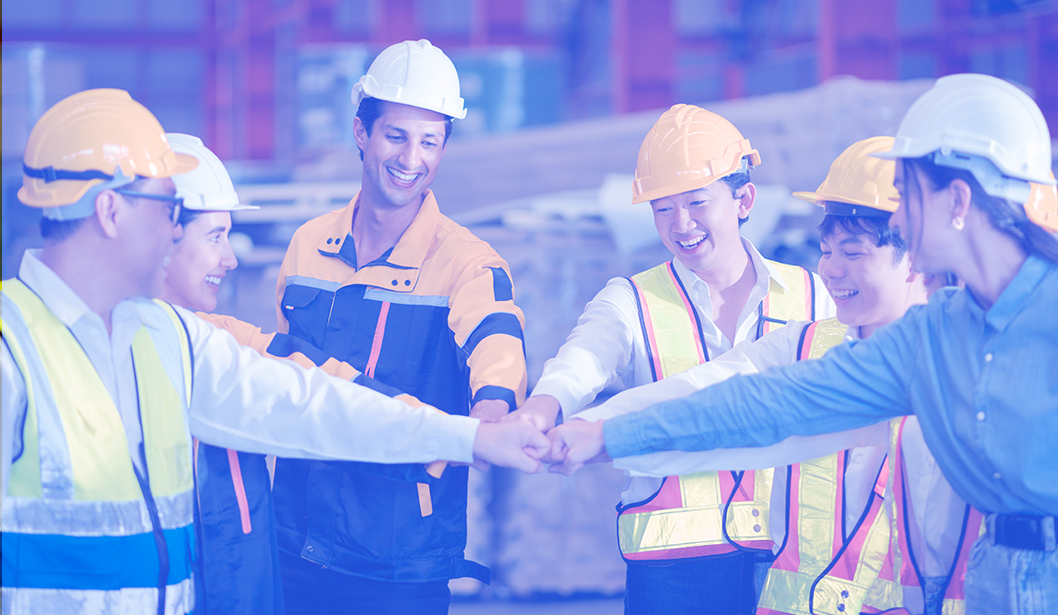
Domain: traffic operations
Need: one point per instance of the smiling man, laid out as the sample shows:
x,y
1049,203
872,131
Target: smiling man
x,y
717,291
391,286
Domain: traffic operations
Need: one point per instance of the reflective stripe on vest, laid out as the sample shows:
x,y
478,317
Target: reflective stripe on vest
x,y
905,569
818,570
81,533
685,517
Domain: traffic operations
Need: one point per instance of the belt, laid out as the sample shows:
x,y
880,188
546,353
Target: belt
x,y
1030,532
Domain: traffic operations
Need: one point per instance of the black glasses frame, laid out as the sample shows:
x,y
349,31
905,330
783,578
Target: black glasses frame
x,y
178,202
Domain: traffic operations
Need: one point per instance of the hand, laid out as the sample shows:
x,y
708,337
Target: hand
x,y
575,443
514,444
489,410
540,411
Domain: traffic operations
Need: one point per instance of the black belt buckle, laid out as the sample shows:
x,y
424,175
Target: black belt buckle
x,y
1024,532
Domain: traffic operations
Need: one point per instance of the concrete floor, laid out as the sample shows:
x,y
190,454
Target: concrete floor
x,y
604,606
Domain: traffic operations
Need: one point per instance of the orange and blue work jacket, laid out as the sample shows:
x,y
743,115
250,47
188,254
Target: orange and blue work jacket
x,y
238,565
433,317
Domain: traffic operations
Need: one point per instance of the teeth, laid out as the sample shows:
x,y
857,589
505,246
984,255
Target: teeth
x,y
692,243
401,176
212,279
844,294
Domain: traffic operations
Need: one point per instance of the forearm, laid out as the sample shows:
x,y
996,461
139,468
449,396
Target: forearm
x,y
808,398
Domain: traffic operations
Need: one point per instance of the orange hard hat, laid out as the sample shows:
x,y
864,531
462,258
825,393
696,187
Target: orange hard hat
x,y
858,183
93,139
1042,206
687,149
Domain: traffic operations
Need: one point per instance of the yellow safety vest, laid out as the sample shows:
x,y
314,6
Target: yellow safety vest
x,y
818,569
83,530
900,573
703,513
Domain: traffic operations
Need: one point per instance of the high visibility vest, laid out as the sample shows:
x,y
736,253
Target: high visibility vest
x,y
818,569
702,513
83,530
901,573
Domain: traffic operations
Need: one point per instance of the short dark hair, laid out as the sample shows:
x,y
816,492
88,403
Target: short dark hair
x,y
735,181
876,228
371,109
59,230
1007,217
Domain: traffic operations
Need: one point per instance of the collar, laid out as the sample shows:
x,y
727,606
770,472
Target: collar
x,y
1019,292
407,257
67,305
764,270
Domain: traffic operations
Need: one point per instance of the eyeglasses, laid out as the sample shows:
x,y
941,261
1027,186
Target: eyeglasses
x,y
177,202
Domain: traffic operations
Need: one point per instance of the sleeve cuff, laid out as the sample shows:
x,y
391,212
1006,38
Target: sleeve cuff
x,y
455,436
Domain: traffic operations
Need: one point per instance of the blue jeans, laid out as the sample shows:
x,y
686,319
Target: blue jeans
x,y
1016,581
717,585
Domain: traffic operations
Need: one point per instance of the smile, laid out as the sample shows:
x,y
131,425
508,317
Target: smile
x,y
403,177
213,280
692,243
844,294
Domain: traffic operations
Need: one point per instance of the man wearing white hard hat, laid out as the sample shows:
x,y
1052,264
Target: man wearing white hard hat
x,y
398,290
103,388
977,366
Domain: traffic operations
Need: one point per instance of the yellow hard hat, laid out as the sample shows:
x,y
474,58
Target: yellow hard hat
x,y
1042,206
91,141
858,184
689,148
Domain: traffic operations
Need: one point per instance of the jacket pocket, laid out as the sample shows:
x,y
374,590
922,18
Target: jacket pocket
x,y
307,310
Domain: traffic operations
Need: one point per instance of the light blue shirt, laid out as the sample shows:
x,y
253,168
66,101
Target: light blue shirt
x,y
984,385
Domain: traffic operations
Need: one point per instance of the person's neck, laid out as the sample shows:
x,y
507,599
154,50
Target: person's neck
x,y
732,269
79,266
987,261
916,295
378,226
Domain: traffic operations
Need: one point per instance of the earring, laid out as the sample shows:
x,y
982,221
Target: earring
x,y
957,223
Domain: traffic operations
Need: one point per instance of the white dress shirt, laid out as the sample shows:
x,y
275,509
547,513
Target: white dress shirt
x,y
240,400
607,346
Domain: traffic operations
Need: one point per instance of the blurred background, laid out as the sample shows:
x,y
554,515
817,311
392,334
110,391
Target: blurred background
x,y
560,94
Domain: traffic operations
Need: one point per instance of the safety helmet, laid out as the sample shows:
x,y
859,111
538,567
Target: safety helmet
x,y
689,148
89,142
984,125
858,184
1042,206
208,187
413,73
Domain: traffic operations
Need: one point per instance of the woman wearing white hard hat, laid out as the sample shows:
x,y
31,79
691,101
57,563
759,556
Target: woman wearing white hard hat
x,y
979,366
238,569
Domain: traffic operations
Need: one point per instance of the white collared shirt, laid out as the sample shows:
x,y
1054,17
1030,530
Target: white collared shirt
x,y
240,400
607,346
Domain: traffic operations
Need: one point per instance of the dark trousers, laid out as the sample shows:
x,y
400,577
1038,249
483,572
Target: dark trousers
x,y
714,586
310,589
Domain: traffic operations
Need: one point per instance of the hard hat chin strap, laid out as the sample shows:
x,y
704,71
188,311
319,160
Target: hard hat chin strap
x,y
987,174
86,205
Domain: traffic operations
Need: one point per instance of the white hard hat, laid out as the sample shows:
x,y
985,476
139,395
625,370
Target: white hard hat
x,y
208,187
413,73
984,125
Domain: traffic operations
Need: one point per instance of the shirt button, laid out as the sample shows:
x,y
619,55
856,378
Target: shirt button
x,y
997,476
988,358
980,416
